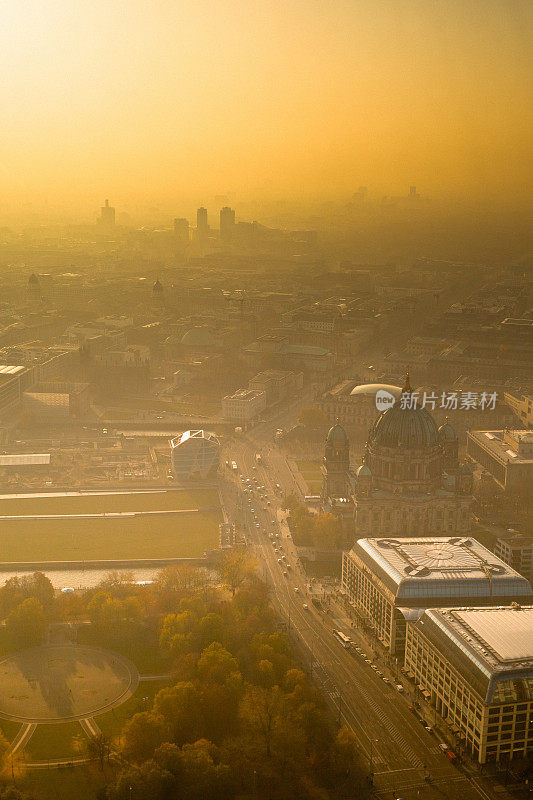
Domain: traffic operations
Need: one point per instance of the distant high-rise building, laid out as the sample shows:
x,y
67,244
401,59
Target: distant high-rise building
x,y
181,229
413,194
107,215
202,226
227,223
360,197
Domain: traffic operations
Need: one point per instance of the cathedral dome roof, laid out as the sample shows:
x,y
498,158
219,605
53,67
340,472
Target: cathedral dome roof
x,y
406,428
33,279
157,287
446,432
199,336
363,471
337,434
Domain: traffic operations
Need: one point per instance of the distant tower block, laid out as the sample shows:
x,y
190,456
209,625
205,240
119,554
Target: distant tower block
x,y
202,226
413,194
158,293
227,223
107,215
181,230
34,288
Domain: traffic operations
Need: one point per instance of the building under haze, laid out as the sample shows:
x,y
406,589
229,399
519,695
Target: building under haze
x,y
195,454
202,225
107,215
507,455
227,223
475,666
181,230
391,580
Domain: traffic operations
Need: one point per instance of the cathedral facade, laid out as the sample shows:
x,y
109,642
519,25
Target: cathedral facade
x,y
410,481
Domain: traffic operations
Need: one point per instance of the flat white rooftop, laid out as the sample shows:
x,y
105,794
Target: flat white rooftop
x,y
509,632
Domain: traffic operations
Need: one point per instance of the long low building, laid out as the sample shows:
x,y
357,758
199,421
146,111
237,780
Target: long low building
x,y
475,666
389,581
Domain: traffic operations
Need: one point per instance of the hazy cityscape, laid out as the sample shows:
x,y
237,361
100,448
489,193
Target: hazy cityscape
x,y
266,401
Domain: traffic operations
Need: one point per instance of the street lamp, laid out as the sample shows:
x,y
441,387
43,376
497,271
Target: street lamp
x,y
371,759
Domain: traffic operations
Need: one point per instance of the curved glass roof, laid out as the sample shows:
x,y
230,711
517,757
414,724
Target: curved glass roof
x,y
419,570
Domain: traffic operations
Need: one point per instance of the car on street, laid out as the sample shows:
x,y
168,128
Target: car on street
x,y
443,746
306,607
297,589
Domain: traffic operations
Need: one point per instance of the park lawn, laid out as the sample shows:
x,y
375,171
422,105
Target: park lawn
x,y
59,740
9,728
312,475
112,722
100,503
67,783
154,536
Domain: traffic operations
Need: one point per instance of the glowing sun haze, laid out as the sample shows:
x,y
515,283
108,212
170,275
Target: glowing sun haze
x,y
153,100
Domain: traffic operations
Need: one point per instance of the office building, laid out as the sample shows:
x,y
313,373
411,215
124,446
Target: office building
x,y
507,455
181,230
107,215
227,223
244,405
516,549
202,226
475,666
389,581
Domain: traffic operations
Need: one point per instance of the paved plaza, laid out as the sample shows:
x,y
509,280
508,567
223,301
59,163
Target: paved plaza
x,y
63,682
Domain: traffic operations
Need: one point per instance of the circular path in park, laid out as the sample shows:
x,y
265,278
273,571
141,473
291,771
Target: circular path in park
x,y
58,683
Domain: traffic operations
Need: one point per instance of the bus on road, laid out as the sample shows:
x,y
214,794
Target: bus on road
x,y
342,638
234,466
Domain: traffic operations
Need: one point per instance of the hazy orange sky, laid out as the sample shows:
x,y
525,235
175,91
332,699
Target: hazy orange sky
x,y
158,101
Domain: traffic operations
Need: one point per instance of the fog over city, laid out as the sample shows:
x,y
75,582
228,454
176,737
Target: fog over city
x,y
266,400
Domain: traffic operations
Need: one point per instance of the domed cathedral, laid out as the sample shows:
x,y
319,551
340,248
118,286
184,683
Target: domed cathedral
x,y
411,482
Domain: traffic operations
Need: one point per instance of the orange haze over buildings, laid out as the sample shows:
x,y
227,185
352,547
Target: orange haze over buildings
x,y
153,101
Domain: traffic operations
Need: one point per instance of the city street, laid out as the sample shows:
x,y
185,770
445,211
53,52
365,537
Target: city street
x,y
403,757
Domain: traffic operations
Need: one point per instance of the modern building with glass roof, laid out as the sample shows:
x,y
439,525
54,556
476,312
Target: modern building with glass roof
x,y
475,666
195,454
391,580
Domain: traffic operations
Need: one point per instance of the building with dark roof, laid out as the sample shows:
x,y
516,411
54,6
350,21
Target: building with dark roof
x,y
416,484
391,580
475,666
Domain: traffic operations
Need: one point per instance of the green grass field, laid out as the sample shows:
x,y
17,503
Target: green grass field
x,y
9,728
64,740
163,500
113,721
153,536
71,783
310,471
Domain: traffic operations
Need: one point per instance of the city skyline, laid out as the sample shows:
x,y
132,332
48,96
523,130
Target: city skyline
x,y
297,101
